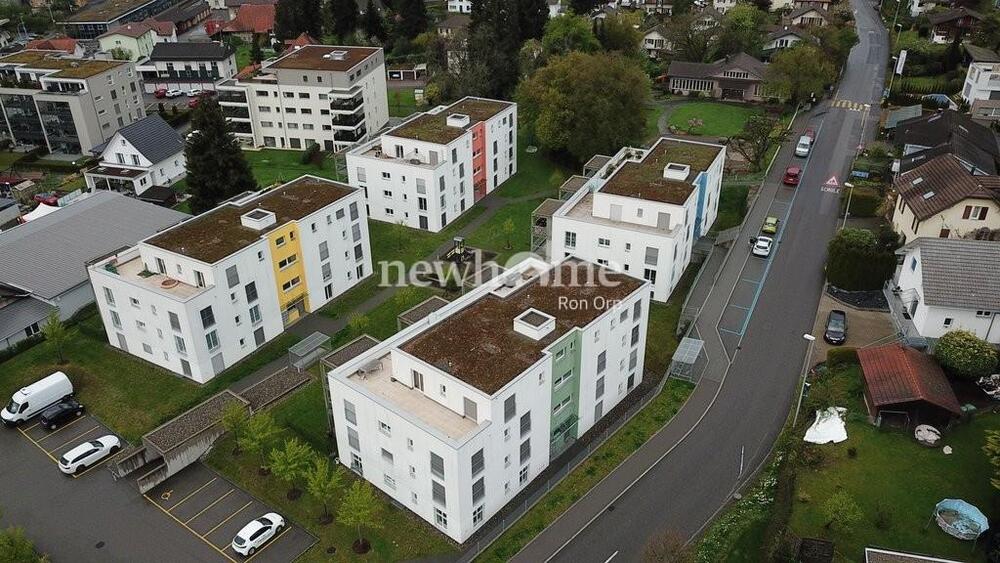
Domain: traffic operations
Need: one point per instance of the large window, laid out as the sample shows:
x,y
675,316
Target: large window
x,y
207,317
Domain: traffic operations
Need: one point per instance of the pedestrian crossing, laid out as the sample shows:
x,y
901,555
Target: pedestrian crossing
x,y
849,105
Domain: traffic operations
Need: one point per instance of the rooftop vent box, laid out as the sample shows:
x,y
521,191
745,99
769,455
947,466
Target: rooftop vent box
x,y
534,324
674,171
458,120
258,219
336,55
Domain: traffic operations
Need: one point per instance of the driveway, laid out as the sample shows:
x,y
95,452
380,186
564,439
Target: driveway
x,y
864,328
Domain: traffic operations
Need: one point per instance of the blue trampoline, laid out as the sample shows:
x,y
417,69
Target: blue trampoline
x,y
960,519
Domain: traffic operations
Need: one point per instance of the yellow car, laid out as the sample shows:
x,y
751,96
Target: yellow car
x,y
770,226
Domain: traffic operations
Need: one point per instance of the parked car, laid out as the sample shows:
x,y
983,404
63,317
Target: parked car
x,y
48,198
193,102
809,132
791,177
761,246
836,327
61,412
194,92
28,401
258,532
803,146
160,93
173,93
89,453
770,225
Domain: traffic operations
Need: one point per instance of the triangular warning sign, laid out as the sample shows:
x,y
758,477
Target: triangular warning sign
x,y
832,182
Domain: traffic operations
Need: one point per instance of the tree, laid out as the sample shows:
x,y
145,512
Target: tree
x,y
859,260
841,511
825,392
620,32
568,105
508,231
691,39
411,18
741,32
235,419
344,15
256,54
15,547
217,169
292,17
583,7
836,41
360,507
758,135
56,335
322,482
372,23
992,451
121,54
290,463
799,72
358,323
494,43
965,355
260,433
569,33
532,15
667,547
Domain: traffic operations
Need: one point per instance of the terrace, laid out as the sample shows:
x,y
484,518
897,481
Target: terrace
x,y
434,127
130,267
583,210
373,149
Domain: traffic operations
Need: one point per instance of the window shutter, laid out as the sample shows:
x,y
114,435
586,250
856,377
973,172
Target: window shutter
x,y
967,212
982,213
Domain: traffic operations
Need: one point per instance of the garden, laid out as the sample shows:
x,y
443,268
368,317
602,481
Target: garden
x,y
712,119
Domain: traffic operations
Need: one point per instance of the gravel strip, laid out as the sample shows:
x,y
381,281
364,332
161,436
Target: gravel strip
x,y
187,425
273,387
870,300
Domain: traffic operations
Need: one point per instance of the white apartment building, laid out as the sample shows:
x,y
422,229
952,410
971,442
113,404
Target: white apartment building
x,y
429,170
318,94
457,413
198,297
982,80
642,212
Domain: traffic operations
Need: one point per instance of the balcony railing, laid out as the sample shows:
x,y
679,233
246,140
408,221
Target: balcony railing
x,y
350,136
348,120
347,104
232,97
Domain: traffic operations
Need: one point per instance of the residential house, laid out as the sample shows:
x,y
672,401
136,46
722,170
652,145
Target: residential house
x,y
67,45
135,40
982,79
96,19
807,16
428,171
43,262
200,296
941,198
785,36
898,115
820,4
460,6
985,112
946,25
656,7
406,72
946,284
302,40
139,156
947,132
556,8
232,7
723,6
903,382
185,66
453,24
655,42
642,212
185,15
879,555
166,32
736,77
320,94
919,7
253,23
65,104
456,414
781,5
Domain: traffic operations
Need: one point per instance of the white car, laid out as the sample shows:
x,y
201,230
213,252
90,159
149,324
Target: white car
x,y
762,247
802,147
258,532
194,92
174,93
89,453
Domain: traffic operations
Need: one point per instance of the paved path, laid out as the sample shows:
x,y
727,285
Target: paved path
x,y
752,324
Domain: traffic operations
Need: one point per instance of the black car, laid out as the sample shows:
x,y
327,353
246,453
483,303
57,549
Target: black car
x,y
66,409
836,327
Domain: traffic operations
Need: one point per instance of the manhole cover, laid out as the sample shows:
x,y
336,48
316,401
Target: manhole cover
x,y
99,545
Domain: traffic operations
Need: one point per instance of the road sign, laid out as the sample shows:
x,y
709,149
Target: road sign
x,y
859,174
832,182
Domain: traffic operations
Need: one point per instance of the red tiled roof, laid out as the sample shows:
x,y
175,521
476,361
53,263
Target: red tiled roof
x,y
301,41
254,18
164,29
66,44
213,26
133,30
896,374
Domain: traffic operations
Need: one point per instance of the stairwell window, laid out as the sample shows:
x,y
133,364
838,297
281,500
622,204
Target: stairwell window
x,y
570,239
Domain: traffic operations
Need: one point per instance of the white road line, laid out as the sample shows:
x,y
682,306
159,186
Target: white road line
x,y
613,555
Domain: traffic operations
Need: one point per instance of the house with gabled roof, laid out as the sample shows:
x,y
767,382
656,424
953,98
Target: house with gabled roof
x,y
138,157
947,132
949,23
807,16
655,42
736,77
903,381
785,36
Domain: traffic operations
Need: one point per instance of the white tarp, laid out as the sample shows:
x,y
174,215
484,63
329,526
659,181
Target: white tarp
x,y
41,211
828,428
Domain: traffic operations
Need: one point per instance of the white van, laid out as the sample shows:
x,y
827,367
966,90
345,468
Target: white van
x,y
803,146
33,399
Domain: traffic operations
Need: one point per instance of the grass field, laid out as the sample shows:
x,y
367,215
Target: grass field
x,y
491,235
402,102
719,119
732,206
537,174
272,165
304,414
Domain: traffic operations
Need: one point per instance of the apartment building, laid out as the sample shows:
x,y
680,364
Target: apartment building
x,y
460,6
186,66
66,104
97,18
133,41
642,212
429,170
318,94
200,296
454,415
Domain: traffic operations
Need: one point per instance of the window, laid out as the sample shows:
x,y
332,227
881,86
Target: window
x,y
140,325
438,493
635,335
522,477
384,428
602,361
290,284
561,405
255,314
232,276
443,390
525,451
525,424
477,463
975,212
212,339
251,291
389,481
477,515
652,255
199,278
440,518
286,262
115,320
147,348
509,408
108,296
559,380
598,410
437,465
603,242
599,391
356,464
324,250
636,310
161,267
387,456
179,343
279,242
983,314
570,240
948,321
349,412
207,317
134,302
352,438
478,490
913,264
327,271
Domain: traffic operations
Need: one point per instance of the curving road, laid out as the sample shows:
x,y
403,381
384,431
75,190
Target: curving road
x,y
752,324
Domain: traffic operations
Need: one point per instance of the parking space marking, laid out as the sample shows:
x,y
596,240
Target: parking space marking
x,y
228,518
196,491
188,528
755,282
216,501
37,445
77,437
61,428
32,426
270,543
740,307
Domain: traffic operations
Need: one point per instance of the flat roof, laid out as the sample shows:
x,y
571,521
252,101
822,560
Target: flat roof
x,y
106,11
478,344
175,432
66,67
311,57
422,309
349,351
218,233
644,179
434,128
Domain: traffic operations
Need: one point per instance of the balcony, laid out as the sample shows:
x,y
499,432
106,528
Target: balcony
x,y
235,112
350,136
351,120
229,97
902,304
347,104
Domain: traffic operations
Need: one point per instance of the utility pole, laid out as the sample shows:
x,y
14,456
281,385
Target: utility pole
x,y
805,367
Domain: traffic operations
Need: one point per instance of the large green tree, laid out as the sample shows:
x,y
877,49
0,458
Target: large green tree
x,y
410,18
585,103
323,482
261,432
292,17
360,508
569,33
857,259
344,18
742,30
836,41
15,547
964,354
372,23
620,32
692,40
799,72
532,15
56,335
759,134
291,463
216,167
490,67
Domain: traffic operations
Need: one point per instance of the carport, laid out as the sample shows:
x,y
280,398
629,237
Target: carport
x,y
903,382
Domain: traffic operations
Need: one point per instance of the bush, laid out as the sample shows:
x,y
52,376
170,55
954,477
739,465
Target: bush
x,y
965,355
311,155
857,259
865,202
836,357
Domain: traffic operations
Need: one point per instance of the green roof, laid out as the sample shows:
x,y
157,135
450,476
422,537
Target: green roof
x,y
644,179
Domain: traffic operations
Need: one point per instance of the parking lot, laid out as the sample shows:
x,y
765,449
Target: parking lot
x,y
213,509
55,443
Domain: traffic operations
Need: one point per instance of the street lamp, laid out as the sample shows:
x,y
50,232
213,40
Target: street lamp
x,y
892,76
847,210
805,365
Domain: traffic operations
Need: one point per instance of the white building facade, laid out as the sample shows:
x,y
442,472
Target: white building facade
x,y
326,95
199,297
139,156
460,6
982,80
642,212
426,172
453,433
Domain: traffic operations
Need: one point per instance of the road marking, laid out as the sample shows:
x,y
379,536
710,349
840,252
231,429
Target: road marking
x,y
613,555
270,543
729,331
74,438
61,428
748,280
188,528
196,491
202,511
740,307
228,518
37,445
104,462
32,426
742,448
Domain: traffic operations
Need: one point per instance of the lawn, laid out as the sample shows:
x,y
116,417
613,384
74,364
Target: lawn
x,y
402,102
653,114
719,119
130,395
380,322
8,158
732,205
537,174
273,165
304,414
491,235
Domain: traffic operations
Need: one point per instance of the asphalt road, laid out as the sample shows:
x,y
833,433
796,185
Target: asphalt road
x,y
752,324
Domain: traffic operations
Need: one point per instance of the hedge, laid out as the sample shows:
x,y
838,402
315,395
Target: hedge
x,y
841,356
865,202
